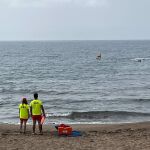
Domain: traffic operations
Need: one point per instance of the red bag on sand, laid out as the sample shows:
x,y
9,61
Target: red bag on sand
x,y
63,125
64,129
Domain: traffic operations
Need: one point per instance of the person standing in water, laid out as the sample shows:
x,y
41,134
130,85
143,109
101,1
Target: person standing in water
x,y
37,110
23,114
98,56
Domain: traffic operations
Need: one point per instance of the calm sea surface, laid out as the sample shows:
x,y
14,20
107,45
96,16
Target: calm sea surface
x,y
74,86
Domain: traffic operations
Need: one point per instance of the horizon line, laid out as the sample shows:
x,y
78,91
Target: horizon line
x,y
75,40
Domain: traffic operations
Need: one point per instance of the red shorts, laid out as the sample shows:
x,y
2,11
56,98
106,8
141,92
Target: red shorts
x,y
21,119
36,117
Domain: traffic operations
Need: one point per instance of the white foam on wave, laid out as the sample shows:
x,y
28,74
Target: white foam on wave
x,y
140,59
58,114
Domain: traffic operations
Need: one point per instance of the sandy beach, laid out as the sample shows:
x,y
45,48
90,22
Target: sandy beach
x,y
94,137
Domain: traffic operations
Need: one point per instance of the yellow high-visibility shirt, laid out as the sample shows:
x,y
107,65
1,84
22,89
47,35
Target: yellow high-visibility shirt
x,y
36,107
24,108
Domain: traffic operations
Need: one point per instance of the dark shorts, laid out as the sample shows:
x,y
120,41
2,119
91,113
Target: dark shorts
x,y
36,117
21,119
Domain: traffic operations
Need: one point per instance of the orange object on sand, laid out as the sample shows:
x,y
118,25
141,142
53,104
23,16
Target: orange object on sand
x,y
42,120
64,130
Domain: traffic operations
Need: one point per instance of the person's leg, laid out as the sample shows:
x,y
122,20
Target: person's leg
x,y
40,126
25,121
34,125
21,122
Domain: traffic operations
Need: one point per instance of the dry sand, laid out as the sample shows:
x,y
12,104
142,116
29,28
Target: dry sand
x,y
94,137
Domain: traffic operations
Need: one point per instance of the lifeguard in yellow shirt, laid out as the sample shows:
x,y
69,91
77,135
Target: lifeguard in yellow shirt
x,y
23,114
37,109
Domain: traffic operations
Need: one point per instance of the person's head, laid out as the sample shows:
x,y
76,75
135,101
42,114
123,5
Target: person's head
x,y
35,95
24,101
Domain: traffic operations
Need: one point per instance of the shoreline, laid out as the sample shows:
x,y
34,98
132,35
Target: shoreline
x,y
47,122
124,136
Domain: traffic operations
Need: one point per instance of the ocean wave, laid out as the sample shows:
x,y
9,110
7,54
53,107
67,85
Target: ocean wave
x,y
24,91
43,91
3,103
99,115
11,90
140,59
141,100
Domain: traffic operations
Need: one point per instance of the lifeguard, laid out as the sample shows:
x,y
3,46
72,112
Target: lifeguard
x,y
37,109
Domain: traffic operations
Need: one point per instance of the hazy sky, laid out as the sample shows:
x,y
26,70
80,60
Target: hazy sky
x,y
74,19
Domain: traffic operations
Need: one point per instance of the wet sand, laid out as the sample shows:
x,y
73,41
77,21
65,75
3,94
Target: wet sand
x,y
134,136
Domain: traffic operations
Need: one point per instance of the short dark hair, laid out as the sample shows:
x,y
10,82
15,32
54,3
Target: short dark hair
x,y
35,95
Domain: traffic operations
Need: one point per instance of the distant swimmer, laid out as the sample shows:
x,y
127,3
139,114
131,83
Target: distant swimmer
x,y
98,56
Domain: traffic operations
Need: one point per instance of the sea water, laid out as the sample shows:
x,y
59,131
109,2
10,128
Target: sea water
x,y
74,86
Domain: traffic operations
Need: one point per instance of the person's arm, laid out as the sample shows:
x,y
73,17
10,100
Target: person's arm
x,y
19,112
28,109
28,114
43,111
31,110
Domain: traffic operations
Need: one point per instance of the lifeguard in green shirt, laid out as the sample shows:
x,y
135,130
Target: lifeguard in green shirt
x,y
37,110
